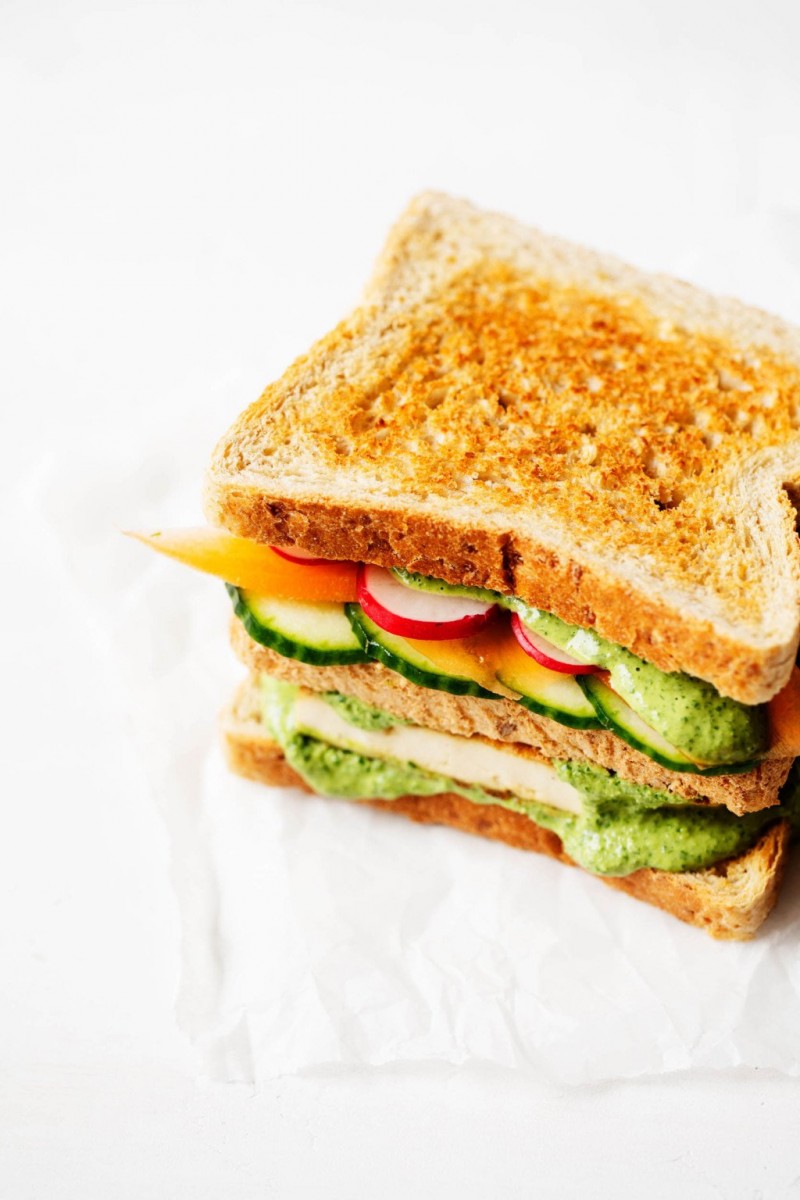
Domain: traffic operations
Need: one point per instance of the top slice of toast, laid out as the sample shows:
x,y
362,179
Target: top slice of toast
x,y
510,411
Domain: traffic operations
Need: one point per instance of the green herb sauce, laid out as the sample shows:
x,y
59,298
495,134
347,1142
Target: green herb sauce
x,y
688,712
623,826
362,715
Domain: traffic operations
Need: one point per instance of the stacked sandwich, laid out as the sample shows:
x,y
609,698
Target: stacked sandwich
x,y
513,549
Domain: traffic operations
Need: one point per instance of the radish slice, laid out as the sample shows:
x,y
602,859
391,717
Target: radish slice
x,y
300,556
545,653
414,614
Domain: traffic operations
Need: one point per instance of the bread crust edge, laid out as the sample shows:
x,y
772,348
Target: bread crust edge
x,y
393,535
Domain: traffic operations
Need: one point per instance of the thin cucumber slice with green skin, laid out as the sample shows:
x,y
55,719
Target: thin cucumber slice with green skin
x,y
397,654
620,718
550,694
317,633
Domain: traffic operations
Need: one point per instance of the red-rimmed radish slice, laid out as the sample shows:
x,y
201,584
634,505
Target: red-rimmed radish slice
x,y
414,614
546,653
297,555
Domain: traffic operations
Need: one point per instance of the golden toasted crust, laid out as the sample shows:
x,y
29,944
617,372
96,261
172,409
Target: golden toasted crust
x,y
729,900
507,721
510,411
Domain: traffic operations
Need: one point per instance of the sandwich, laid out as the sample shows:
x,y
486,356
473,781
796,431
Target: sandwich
x,y
513,549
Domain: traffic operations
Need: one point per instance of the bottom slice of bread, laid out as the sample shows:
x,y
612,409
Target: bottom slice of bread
x,y
729,900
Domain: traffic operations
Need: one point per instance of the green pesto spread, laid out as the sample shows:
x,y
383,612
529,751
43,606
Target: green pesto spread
x,y
688,712
425,583
362,715
623,826
333,771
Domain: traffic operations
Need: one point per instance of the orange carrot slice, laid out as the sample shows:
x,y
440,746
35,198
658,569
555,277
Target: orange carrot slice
x,y
784,719
472,658
253,565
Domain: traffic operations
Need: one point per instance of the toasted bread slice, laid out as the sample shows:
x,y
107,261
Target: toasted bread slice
x,y
507,721
729,900
510,411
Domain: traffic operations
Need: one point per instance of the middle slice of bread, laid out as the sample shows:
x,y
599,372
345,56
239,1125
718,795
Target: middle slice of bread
x,y
507,721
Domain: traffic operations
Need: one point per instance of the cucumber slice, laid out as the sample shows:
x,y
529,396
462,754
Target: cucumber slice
x,y
317,633
620,718
397,653
548,693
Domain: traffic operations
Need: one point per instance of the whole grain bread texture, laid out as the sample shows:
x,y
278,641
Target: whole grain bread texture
x,y
506,721
508,410
729,900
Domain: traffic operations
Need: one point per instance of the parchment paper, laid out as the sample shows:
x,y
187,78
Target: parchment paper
x,y
316,932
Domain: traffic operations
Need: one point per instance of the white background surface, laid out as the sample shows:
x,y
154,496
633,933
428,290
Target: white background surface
x,y
191,193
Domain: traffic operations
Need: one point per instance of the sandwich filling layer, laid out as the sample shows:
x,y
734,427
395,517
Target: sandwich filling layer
x,y
471,641
681,722
607,825
690,713
470,760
